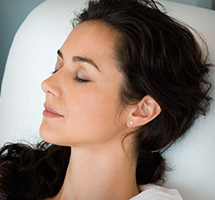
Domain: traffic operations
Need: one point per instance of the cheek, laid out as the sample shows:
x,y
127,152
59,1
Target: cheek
x,y
95,110
92,117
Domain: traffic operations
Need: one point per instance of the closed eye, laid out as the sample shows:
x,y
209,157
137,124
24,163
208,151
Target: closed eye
x,y
77,79
80,80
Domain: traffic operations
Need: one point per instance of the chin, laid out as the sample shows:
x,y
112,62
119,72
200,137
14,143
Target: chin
x,y
47,133
51,135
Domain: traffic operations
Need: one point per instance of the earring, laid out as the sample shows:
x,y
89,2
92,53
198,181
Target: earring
x,y
130,122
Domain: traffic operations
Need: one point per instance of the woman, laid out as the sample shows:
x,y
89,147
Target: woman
x,y
129,81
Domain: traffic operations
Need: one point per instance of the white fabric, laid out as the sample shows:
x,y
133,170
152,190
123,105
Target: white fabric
x,y
155,192
32,58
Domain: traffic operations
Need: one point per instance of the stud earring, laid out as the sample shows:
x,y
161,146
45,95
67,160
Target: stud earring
x,y
130,122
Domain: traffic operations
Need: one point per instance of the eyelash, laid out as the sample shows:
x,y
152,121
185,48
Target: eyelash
x,y
77,79
54,71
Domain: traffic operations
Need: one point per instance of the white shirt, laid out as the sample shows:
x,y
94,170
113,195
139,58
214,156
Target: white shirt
x,y
154,192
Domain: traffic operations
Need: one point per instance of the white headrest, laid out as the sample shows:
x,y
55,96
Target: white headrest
x,y
32,58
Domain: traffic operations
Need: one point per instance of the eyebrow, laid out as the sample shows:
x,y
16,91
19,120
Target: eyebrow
x,y
83,59
80,59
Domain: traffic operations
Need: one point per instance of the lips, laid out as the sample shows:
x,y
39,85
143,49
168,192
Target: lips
x,y
50,113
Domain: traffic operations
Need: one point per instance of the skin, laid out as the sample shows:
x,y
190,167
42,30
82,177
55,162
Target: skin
x,y
92,119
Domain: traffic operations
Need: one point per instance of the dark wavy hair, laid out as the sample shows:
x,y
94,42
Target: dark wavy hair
x,y
159,57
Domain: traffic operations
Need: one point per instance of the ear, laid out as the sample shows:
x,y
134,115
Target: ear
x,y
144,112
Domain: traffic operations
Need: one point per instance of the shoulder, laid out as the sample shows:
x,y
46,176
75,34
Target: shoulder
x,y
155,192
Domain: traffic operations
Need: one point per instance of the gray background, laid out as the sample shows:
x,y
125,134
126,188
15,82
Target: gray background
x,y
13,13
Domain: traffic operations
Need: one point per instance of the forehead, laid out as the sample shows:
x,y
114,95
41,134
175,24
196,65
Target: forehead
x,y
91,38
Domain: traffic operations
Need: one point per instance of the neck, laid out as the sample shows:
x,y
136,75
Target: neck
x,y
99,173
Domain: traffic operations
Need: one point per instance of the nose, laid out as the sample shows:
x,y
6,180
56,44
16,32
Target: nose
x,y
50,85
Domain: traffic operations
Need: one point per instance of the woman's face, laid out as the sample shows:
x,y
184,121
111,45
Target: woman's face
x,y
82,96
